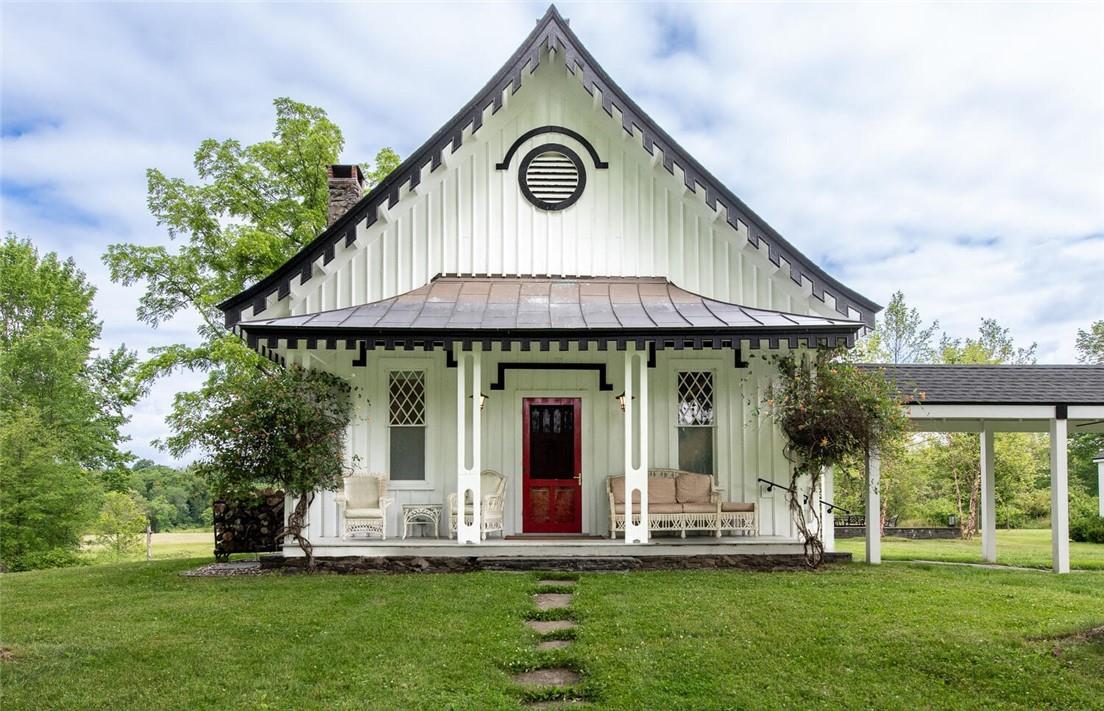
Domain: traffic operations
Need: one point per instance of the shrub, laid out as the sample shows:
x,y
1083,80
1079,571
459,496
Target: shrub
x,y
52,558
1087,529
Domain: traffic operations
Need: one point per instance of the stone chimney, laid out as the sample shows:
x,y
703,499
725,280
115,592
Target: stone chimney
x,y
346,187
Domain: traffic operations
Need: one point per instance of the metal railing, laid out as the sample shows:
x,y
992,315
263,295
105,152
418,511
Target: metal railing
x,y
832,508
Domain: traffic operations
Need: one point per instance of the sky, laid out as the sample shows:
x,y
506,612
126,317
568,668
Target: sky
x,y
953,152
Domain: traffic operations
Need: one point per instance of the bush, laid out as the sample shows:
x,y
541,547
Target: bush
x,y
53,558
1087,529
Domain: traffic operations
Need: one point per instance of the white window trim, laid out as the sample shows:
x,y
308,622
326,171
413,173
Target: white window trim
x,y
423,484
711,365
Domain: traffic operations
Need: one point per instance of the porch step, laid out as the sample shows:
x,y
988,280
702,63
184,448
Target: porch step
x,y
604,563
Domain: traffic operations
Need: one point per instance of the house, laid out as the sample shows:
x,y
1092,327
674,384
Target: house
x,y
552,288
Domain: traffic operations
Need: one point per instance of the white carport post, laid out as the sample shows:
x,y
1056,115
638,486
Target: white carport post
x,y
988,497
467,478
828,517
1100,480
873,508
636,475
1059,494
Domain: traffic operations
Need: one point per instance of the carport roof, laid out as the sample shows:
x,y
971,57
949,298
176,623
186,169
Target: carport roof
x,y
999,384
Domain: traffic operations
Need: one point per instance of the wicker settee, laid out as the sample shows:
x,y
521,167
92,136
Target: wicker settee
x,y
681,501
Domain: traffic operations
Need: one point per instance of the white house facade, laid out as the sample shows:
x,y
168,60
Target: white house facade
x,y
552,289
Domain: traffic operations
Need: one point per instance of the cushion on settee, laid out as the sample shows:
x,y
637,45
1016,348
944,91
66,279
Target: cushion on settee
x,y
699,508
693,488
617,488
652,508
661,490
736,506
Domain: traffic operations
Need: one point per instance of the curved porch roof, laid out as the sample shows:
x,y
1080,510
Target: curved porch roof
x,y
453,308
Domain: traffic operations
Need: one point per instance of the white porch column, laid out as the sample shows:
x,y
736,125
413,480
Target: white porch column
x,y
1100,480
988,497
828,517
1059,496
468,443
873,508
636,475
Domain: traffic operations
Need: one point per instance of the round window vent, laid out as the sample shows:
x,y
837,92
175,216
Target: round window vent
x,y
552,176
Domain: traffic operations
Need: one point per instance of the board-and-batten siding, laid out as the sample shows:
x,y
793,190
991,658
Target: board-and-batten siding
x,y
633,218
747,446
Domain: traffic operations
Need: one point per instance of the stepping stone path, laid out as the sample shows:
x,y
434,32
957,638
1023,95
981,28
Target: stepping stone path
x,y
546,626
550,677
552,601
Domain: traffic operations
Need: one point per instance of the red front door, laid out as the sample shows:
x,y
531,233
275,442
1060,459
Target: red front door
x,y
551,451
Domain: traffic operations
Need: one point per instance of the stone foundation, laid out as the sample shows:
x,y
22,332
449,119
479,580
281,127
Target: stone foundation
x,y
468,564
917,533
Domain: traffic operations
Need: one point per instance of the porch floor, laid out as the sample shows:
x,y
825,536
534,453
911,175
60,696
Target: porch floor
x,y
603,548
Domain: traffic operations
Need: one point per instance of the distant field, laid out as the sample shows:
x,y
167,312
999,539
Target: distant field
x,y
1029,548
194,543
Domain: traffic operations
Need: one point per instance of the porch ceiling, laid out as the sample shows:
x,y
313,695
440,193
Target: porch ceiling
x,y
496,308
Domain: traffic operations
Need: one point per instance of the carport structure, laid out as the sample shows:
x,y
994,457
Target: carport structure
x,y
1059,399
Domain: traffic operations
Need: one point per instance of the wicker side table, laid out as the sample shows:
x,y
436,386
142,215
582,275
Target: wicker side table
x,y
422,515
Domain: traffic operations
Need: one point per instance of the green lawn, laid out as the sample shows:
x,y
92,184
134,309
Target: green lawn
x,y
139,636
1029,548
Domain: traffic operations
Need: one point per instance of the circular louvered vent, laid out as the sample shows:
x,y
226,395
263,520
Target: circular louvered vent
x,y
552,176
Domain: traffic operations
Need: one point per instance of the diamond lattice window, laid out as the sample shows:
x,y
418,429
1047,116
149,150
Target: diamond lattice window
x,y
695,399
407,389
695,421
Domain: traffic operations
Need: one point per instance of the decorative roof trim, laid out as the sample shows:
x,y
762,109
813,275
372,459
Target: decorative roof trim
x,y
553,33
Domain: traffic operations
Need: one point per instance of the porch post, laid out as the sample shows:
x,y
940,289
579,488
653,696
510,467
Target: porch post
x,y
467,478
828,518
636,477
873,508
1100,480
988,497
1059,496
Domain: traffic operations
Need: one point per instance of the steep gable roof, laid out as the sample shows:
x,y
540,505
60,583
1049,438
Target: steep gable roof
x,y
551,33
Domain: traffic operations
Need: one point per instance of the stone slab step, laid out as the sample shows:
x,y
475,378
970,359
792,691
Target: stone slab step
x,y
552,601
554,676
547,626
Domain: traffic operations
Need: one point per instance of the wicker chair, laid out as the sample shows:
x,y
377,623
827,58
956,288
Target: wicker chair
x,y
493,489
363,504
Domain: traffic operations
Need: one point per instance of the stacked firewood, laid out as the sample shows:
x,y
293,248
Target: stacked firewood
x,y
248,525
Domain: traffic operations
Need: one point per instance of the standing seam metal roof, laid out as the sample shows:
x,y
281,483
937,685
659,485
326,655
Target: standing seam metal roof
x,y
584,303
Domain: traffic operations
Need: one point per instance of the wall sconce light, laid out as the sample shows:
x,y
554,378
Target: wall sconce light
x,y
621,400
483,397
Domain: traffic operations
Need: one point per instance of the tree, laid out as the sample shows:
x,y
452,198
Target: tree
x,y
831,413
61,404
285,429
253,208
120,524
46,500
993,346
1090,343
901,336
173,498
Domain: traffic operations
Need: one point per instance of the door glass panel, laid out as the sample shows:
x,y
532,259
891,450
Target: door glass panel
x,y
552,441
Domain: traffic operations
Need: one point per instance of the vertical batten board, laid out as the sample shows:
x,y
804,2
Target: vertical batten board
x,y
632,218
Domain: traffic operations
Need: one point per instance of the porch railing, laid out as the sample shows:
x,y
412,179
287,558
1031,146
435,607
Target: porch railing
x,y
832,508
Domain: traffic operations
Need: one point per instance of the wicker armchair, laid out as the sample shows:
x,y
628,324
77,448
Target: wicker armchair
x,y
493,489
363,504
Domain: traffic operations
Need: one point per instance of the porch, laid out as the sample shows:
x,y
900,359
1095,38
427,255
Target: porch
x,y
557,385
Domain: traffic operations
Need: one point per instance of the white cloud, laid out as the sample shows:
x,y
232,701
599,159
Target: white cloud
x,y
887,141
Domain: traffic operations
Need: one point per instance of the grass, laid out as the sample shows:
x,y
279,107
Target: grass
x,y
1028,548
190,543
140,636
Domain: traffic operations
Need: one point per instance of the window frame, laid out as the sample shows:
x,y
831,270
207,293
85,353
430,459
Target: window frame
x,y
677,370
389,372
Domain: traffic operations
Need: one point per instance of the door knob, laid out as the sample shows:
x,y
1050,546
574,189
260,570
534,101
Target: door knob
x,y
579,477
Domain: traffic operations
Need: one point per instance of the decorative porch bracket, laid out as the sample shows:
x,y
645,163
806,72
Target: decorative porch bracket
x,y
468,443
636,477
